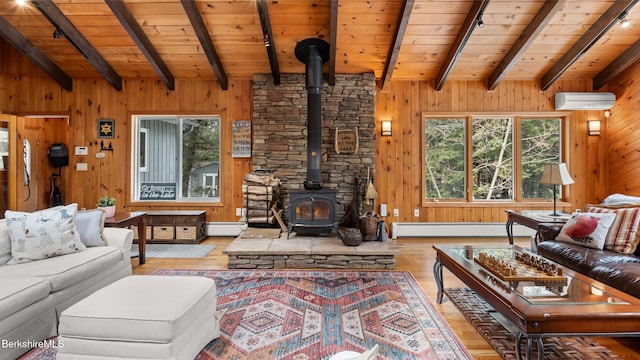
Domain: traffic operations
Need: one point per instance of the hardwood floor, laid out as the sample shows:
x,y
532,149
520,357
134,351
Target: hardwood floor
x,y
416,256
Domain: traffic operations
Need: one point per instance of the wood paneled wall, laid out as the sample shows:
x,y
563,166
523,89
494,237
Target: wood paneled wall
x,y
398,158
623,134
24,90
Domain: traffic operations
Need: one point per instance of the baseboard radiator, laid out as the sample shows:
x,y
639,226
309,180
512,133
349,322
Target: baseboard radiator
x,y
417,229
223,229
442,229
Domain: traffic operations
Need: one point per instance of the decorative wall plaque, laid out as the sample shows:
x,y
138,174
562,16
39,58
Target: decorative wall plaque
x,y
106,128
241,139
346,141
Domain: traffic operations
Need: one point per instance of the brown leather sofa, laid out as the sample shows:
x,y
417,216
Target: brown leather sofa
x,y
621,271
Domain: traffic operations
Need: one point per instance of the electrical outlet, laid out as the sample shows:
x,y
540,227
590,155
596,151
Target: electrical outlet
x,y
396,212
238,211
416,212
383,209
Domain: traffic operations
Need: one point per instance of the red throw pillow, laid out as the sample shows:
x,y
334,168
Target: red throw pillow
x,y
587,229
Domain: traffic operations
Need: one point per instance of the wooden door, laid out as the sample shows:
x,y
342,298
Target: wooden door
x,y
8,153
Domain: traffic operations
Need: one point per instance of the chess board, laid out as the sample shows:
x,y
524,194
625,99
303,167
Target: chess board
x,y
523,267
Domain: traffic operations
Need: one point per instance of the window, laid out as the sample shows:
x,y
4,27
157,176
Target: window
x,y
488,155
177,158
492,171
444,158
142,144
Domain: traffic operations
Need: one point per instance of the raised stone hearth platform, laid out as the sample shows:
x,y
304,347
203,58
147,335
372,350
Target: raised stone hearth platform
x,y
309,252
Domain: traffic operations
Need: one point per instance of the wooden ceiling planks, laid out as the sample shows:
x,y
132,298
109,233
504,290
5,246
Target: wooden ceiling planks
x,y
364,32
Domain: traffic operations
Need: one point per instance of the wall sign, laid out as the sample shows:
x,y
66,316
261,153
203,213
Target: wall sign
x,y
241,138
106,128
346,141
158,191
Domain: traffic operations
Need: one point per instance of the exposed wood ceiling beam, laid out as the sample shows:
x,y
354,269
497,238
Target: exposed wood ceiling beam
x,y
621,63
191,8
61,22
127,20
535,27
333,42
398,36
15,38
269,41
595,32
459,43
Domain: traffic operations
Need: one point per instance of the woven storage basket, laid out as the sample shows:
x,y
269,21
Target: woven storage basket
x,y
369,228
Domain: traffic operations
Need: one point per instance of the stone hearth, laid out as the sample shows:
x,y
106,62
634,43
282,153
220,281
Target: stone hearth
x,y
309,252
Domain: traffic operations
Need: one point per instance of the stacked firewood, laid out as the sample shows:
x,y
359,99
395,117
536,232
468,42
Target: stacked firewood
x,y
261,191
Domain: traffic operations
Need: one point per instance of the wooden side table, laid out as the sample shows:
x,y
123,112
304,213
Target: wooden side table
x,y
532,219
125,220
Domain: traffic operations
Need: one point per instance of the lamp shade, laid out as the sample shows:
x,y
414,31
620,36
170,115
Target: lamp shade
x,y
556,174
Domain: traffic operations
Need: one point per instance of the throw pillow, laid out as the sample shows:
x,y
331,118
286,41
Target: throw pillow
x,y
43,234
587,229
90,225
623,236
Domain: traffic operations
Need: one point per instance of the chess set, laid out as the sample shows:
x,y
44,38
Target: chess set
x,y
523,267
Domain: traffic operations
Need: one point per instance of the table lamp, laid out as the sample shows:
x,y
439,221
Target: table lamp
x,y
555,174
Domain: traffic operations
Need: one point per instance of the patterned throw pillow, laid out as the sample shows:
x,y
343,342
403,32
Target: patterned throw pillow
x,y
623,236
587,229
43,234
90,225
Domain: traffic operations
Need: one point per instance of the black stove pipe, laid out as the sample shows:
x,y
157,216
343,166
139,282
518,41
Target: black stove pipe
x,y
313,53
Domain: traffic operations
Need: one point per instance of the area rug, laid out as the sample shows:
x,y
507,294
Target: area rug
x,y
189,251
304,315
482,316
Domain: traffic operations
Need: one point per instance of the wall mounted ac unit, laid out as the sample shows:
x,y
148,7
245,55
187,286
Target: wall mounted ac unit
x,y
584,100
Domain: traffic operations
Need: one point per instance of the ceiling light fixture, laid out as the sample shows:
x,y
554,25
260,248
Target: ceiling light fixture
x,y
624,22
479,20
57,34
21,2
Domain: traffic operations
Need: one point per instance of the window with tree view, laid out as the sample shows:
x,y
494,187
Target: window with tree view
x,y
177,158
488,155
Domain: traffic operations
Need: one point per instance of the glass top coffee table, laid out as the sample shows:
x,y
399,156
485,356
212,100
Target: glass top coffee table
x,y
541,298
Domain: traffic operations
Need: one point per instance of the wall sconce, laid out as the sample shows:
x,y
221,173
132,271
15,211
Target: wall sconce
x,y
594,127
386,128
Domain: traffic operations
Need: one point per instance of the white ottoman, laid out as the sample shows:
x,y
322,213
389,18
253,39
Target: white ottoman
x,y
142,317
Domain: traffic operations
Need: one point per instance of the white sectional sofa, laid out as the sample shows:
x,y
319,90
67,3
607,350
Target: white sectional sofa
x,y
34,293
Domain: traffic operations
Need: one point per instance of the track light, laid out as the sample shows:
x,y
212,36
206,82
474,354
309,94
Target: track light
x,y
624,22
57,34
479,20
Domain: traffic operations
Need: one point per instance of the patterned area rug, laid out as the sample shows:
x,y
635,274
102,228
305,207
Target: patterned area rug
x,y
299,315
482,316
190,251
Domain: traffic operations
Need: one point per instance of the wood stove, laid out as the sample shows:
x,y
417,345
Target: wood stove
x,y
312,211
